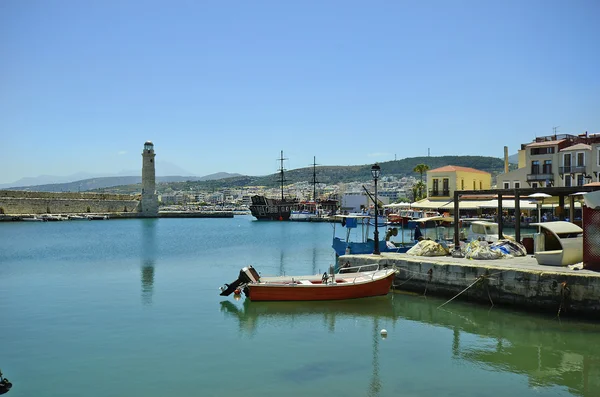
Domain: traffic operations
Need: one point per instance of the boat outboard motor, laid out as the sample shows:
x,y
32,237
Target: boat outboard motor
x,y
247,275
5,384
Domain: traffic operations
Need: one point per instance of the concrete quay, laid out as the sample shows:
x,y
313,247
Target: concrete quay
x,y
517,282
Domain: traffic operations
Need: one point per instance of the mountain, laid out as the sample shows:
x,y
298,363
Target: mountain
x,y
163,168
111,181
329,174
325,174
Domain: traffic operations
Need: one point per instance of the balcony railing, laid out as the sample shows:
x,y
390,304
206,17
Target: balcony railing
x,y
439,193
579,169
540,177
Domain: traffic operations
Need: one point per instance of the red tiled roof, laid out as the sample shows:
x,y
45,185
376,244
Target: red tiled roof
x,y
454,168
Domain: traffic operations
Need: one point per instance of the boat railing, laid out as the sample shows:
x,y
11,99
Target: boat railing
x,y
371,267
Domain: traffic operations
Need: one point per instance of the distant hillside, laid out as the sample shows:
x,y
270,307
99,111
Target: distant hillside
x,y
111,181
327,174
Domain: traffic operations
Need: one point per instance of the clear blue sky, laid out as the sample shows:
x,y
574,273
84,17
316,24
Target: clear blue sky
x,y
225,85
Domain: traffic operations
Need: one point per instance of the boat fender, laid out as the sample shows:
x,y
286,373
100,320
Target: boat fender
x,y
324,278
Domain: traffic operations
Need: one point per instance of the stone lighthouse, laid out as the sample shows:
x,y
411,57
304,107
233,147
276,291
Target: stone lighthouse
x,y
149,207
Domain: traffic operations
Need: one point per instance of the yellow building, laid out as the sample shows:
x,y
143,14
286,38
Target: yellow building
x,y
444,181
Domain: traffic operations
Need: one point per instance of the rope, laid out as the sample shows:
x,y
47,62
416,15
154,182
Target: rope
x,y
405,281
456,296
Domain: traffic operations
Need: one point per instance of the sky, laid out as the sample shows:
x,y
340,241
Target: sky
x,y
224,86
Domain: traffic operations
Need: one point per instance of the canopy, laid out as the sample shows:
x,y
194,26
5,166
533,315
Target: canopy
x,y
509,204
397,205
428,204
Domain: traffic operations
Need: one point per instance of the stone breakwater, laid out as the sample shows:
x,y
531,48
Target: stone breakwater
x,y
517,282
23,202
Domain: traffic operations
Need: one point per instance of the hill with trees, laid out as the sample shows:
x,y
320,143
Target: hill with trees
x,y
328,174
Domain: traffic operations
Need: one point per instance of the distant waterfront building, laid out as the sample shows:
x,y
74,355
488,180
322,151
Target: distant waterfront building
x,y
149,207
555,161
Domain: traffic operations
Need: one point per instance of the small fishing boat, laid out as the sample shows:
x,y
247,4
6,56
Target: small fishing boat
x,y
334,286
5,384
357,240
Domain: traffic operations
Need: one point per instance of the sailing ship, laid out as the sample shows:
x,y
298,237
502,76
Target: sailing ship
x,y
263,208
314,209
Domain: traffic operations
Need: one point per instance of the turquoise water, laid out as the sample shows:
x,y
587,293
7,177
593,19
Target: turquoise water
x,y
132,308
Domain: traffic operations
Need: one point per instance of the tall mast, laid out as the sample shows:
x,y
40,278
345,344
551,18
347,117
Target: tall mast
x,y
314,182
281,169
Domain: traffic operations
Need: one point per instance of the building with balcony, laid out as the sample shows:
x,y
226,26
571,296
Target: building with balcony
x,y
444,181
555,161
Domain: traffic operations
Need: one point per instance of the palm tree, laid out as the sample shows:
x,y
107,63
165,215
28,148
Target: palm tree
x,y
418,190
421,169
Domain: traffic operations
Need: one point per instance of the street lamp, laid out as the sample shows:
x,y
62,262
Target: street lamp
x,y
375,171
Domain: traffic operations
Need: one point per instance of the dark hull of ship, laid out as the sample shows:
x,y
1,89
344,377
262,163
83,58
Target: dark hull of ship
x,y
266,209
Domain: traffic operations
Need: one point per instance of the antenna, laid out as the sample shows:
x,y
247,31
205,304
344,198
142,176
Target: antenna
x,y
554,129
428,152
281,170
314,181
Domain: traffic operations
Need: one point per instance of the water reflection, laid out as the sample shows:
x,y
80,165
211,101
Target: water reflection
x,y
148,256
548,352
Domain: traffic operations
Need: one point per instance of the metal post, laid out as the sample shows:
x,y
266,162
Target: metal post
x,y
375,171
376,249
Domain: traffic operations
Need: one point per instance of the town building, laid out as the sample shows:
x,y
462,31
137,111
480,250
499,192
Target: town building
x,y
444,181
555,161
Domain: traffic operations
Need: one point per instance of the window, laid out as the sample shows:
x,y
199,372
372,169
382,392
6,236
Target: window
x,y
567,180
517,184
547,168
534,184
474,188
598,157
535,167
581,159
507,185
480,185
580,180
567,162
446,186
462,184
435,187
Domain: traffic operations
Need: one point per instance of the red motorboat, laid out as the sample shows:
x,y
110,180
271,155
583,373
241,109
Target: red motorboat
x,y
336,286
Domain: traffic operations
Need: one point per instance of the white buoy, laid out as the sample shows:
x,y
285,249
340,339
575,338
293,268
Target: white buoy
x,y
383,332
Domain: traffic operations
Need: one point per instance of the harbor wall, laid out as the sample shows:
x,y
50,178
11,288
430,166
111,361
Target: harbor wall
x,y
23,202
553,290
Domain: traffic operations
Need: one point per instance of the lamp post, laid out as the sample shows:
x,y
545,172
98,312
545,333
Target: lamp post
x,y
375,171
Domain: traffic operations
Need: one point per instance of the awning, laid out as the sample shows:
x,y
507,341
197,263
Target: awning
x,y
428,204
397,205
509,204
465,205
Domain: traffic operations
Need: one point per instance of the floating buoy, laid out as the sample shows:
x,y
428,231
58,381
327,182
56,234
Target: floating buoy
x,y
383,333
237,297
237,291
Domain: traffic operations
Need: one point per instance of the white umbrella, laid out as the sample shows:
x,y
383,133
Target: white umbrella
x,y
539,199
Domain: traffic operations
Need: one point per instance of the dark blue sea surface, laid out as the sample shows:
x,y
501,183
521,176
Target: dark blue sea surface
x,y
132,308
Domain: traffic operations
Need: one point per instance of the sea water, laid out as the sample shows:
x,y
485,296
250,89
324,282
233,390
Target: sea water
x,y
132,308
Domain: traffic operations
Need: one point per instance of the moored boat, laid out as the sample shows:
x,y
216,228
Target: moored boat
x,y
334,286
356,239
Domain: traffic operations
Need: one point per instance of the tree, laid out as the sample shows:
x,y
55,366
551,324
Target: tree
x,y
418,190
421,169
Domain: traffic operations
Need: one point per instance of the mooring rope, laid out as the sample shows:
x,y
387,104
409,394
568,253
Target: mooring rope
x,y
457,295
